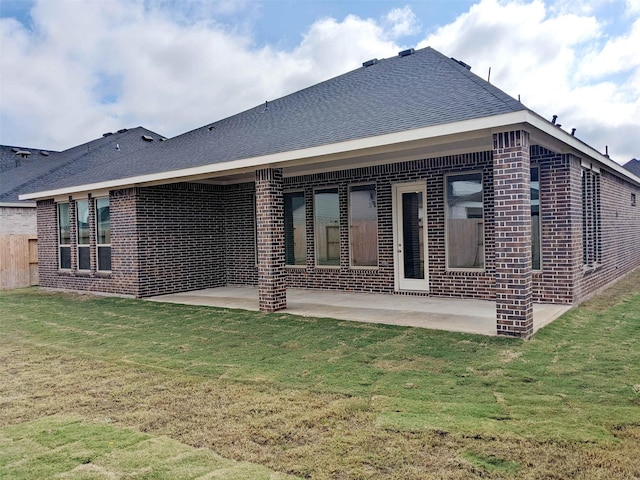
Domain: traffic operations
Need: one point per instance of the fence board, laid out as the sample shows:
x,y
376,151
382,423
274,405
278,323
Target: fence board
x,y
18,261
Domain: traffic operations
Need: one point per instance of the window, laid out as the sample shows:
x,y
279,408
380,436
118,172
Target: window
x,y
465,225
363,226
591,228
327,227
633,199
64,236
103,234
84,250
295,229
535,218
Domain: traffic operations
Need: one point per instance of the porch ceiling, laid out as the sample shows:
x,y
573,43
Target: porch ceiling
x,y
455,315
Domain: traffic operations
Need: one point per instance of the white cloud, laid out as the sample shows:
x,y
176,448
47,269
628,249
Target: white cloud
x,y
559,63
402,22
85,68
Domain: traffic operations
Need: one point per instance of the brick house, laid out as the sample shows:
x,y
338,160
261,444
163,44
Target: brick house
x,y
410,175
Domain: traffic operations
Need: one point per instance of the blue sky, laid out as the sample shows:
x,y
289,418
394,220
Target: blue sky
x,y
71,70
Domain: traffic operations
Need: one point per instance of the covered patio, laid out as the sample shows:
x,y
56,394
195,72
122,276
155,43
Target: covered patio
x,y
451,314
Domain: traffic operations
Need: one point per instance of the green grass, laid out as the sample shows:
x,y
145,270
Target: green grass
x,y
301,387
70,448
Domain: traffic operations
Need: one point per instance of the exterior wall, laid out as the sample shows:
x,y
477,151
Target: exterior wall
x,y
469,284
561,227
123,278
239,234
181,238
18,221
620,227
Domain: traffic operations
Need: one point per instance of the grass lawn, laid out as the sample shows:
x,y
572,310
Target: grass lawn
x,y
97,387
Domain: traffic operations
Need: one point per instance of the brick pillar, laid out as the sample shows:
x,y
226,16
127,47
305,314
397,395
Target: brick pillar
x,y
272,292
512,196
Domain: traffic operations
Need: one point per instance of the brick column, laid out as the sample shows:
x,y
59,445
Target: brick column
x,y
512,196
272,292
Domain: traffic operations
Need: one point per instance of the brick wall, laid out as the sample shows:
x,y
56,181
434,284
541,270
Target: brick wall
x,y
181,241
469,284
620,228
122,280
17,220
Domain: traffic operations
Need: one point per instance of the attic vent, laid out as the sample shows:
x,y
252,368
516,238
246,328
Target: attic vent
x,y
23,153
45,153
107,134
460,62
147,138
368,63
122,130
405,53
15,149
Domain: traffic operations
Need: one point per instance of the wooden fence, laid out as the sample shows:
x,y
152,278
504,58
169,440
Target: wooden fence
x,y
18,261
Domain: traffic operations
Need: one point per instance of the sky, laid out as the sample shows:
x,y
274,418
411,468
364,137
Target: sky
x,y
71,70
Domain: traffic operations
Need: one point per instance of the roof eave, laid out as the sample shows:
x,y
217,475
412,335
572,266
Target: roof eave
x,y
491,123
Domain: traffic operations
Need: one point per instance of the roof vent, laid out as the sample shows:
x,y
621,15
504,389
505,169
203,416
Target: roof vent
x,y
211,127
23,153
147,138
368,63
15,149
162,139
107,134
122,130
45,153
460,62
405,53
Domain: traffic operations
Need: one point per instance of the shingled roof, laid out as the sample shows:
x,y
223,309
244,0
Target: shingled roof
x,y
405,92
39,169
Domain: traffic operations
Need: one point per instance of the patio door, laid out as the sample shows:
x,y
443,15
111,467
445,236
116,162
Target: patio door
x,y
410,237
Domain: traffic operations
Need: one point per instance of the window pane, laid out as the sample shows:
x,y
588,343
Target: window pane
x,y
63,224
65,257
465,226
363,225
295,229
104,258
82,207
103,224
535,218
84,258
413,235
327,226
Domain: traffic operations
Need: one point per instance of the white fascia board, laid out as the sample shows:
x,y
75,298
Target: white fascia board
x,y
578,145
281,159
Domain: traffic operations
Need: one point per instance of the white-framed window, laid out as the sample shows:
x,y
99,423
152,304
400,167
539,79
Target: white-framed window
x,y
64,237
83,236
591,224
103,234
464,213
326,221
363,226
295,229
536,263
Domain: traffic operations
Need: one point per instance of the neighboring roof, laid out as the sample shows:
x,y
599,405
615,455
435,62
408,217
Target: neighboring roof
x,y
392,95
633,166
22,173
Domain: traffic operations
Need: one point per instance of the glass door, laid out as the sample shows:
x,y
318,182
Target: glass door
x,y
410,239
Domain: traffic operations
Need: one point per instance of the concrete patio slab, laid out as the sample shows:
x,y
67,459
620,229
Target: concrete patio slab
x,y
456,315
